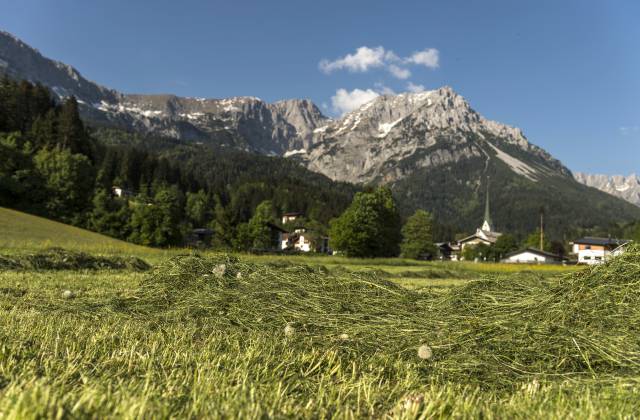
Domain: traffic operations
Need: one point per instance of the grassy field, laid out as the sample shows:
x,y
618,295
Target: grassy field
x,y
22,232
262,336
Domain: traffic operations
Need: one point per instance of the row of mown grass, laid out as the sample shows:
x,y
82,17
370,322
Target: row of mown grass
x,y
219,336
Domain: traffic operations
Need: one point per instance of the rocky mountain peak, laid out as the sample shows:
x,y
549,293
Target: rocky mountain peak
x,y
384,140
625,187
394,135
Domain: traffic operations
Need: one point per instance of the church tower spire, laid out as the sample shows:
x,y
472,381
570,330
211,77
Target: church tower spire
x,y
487,225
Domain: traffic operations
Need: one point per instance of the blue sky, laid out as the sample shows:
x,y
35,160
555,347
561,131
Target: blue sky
x,y
566,72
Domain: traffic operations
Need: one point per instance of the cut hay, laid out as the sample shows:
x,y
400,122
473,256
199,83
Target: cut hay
x,y
494,332
62,259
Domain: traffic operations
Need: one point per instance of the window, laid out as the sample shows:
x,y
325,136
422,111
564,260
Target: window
x,y
587,257
587,247
598,258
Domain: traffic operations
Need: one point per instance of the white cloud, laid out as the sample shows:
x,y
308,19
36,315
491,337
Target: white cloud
x,y
399,72
429,58
411,87
366,58
363,59
344,101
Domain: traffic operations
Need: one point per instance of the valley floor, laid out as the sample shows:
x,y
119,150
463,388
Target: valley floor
x,y
215,335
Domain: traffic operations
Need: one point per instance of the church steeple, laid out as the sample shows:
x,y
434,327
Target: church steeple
x,y
487,225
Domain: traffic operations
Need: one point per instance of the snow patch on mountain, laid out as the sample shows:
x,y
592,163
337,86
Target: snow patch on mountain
x,y
385,128
295,152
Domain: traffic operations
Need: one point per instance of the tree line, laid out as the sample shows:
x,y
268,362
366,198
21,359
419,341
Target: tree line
x,y
52,165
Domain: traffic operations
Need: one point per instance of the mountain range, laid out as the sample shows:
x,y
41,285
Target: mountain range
x,y
625,187
431,147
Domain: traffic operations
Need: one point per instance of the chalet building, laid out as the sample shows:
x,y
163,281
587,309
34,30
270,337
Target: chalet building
x,y
594,250
300,240
448,250
290,217
532,256
122,193
486,234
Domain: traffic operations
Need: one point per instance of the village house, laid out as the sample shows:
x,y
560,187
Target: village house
x,y
301,240
448,250
122,192
532,256
594,250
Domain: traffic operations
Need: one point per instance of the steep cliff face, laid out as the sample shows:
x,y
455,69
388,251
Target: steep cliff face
x,y
625,187
244,122
392,136
19,60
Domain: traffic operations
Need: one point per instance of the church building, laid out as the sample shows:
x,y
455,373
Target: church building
x,y
486,234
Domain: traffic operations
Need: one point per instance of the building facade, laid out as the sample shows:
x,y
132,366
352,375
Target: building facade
x,y
532,256
594,250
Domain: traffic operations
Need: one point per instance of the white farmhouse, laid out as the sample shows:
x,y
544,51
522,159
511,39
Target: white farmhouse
x,y
594,250
122,192
301,240
532,256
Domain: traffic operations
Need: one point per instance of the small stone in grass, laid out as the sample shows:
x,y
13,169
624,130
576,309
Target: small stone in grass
x,y
239,275
425,352
68,294
289,330
411,401
219,270
344,336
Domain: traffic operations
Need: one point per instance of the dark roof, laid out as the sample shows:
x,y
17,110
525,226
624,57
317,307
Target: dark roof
x,y
294,213
593,240
491,236
534,251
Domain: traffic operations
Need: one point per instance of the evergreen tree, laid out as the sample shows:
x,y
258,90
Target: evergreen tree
x,y
505,244
68,181
223,232
481,252
197,208
71,132
243,239
109,216
157,224
370,227
20,183
533,241
44,130
261,233
417,239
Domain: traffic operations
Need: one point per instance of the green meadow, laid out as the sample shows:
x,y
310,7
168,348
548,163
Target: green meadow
x,y
209,335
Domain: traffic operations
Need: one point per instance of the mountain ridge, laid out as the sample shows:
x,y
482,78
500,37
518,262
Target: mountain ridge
x,y
625,187
433,149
